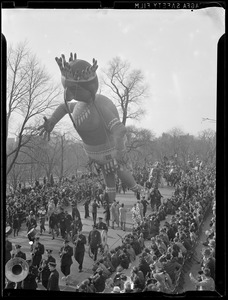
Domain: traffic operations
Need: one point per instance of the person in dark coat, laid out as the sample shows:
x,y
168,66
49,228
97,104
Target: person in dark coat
x,y
66,253
79,249
53,224
68,224
31,221
16,224
144,266
95,205
37,250
99,281
8,249
19,253
101,225
86,205
144,203
107,214
75,212
45,271
53,280
29,283
94,240
62,223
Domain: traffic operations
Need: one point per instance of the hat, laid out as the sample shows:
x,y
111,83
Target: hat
x,y
17,246
49,251
52,264
66,241
37,238
116,289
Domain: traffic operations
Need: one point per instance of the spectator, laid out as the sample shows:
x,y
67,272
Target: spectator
x,y
122,217
99,281
95,205
205,283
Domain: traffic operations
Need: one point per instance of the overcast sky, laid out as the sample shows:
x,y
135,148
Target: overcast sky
x,y
175,49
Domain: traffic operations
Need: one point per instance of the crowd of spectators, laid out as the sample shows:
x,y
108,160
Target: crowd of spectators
x,y
163,251
37,202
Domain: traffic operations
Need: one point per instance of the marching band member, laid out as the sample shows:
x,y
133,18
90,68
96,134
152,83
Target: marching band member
x,y
31,221
8,246
42,218
53,280
37,250
79,249
29,283
44,270
66,253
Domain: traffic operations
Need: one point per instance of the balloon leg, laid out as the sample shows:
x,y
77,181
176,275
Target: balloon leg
x,y
127,178
110,185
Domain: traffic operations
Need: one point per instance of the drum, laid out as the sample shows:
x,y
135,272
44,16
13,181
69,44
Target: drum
x,y
31,234
8,230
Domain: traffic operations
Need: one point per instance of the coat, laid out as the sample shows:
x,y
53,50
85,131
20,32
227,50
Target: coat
x,y
79,249
38,252
94,238
114,216
122,214
45,273
66,258
8,249
29,283
53,281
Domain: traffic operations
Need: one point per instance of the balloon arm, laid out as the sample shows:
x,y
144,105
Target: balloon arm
x,y
61,111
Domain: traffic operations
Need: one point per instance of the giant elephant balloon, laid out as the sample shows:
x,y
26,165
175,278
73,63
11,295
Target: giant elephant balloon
x,y
96,120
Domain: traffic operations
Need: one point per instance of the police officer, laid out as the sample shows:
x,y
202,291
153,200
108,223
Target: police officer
x,y
101,225
94,241
53,280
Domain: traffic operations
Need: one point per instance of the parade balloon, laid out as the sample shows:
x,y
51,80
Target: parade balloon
x,y
96,119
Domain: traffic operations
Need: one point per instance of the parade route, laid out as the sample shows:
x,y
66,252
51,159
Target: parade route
x,y
114,239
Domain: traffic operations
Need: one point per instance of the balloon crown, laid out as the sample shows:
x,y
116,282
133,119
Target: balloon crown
x,y
67,69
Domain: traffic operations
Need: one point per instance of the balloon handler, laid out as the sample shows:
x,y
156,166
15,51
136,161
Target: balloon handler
x,y
96,120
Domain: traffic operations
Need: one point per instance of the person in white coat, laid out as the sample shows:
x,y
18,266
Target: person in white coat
x,y
123,216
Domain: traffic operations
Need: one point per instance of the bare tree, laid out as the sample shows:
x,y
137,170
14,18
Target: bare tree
x,y
29,94
127,87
